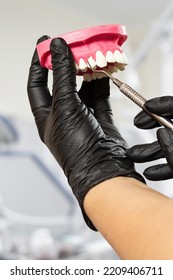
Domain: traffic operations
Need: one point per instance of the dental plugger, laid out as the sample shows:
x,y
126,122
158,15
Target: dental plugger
x,y
135,97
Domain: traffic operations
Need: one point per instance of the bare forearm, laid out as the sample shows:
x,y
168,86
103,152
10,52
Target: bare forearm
x,y
136,220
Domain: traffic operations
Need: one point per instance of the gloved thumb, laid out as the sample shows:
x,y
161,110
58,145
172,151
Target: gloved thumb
x,y
64,71
65,98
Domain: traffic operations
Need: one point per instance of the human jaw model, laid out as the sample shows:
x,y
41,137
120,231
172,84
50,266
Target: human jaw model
x,y
97,47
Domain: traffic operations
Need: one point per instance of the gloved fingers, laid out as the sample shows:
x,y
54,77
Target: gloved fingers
x,y
65,97
165,138
100,94
101,100
158,172
103,111
85,93
100,88
38,92
144,121
145,152
96,95
163,106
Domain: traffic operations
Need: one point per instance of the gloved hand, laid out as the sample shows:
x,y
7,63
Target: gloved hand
x,y
96,96
163,148
69,128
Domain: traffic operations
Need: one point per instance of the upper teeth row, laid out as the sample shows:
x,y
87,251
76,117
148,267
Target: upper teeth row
x,y
102,61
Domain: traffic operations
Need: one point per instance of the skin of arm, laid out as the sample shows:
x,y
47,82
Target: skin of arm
x,y
136,220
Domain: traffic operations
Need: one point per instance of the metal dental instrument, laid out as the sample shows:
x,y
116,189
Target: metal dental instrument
x,y
135,97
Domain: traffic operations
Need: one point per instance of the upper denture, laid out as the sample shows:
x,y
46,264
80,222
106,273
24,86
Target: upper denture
x,y
101,45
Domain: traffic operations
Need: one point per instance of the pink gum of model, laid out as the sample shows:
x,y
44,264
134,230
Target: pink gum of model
x,y
86,42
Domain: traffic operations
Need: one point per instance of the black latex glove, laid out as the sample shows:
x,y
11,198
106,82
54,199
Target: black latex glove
x,y
70,130
163,148
96,96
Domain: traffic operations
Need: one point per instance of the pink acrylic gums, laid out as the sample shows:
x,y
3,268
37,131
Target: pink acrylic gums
x,y
86,42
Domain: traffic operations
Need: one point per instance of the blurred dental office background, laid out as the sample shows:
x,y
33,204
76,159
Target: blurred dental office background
x,y
39,217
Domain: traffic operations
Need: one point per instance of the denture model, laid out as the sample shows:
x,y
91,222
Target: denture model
x,y
99,46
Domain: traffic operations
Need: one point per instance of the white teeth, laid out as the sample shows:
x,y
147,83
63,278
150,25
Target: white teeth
x,y
94,76
110,57
112,69
118,56
87,77
92,62
120,66
100,75
111,63
125,58
107,71
101,59
82,65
